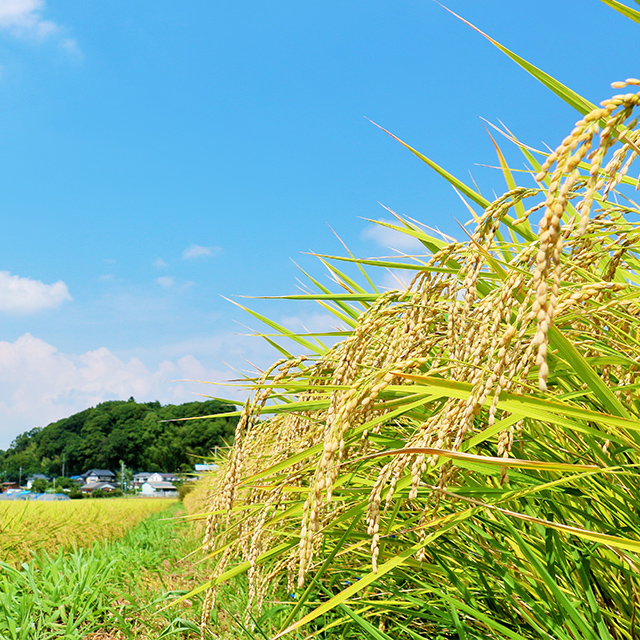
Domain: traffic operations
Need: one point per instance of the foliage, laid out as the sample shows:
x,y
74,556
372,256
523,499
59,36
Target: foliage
x,y
184,488
136,433
39,485
463,464
32,526
62,482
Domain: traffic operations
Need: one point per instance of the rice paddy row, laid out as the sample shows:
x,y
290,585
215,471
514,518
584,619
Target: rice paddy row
x,y
29,528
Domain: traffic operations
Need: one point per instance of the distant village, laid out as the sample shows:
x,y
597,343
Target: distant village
x,y
102,483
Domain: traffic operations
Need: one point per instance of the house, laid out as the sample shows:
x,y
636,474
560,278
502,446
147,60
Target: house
x,y
162,477
201,469
140,478
207,467
90,487
158,489
154,477
98,475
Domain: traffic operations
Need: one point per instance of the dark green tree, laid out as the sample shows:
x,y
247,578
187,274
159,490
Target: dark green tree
x,y
146,436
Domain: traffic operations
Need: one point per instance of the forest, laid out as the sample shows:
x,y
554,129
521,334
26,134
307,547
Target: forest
x,y
145,436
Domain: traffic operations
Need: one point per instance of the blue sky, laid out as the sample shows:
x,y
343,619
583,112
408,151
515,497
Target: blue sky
x,y
156,156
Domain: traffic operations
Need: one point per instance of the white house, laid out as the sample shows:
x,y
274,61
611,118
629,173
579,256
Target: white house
x,y
157,476
165,489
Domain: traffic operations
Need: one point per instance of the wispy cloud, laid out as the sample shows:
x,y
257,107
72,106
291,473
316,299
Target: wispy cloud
x,y
165,281
159,263
25,19
23,295
196,251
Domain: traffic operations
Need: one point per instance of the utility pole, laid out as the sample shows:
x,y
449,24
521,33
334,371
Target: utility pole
x,y
122,481
64,459
20,478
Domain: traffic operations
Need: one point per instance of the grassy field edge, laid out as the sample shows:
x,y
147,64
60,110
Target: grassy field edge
x,y
111,590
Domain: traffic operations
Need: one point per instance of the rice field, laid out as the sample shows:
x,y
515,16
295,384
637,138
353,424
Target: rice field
x,y
29,528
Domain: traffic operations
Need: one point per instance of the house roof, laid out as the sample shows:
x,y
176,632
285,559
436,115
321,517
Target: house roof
x,y
207,467
96,485
98,472
144,475
161,485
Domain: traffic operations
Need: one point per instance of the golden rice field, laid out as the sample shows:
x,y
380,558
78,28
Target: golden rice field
x,y
30,527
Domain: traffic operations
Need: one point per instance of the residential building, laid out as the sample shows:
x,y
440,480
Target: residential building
x,y
98,475
157,489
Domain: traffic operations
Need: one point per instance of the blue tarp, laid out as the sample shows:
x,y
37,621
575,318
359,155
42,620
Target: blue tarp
x,y
28,495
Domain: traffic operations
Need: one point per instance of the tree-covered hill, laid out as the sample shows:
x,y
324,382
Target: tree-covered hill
x,y
133,432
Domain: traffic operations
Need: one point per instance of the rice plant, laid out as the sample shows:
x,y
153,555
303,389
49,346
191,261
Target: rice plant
x,y
464,462
30,527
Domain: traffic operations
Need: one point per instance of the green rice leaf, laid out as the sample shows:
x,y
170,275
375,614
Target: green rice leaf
x,y
633,14
573,99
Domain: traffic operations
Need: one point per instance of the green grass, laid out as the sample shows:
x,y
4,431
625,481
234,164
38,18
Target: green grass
x,y
112,590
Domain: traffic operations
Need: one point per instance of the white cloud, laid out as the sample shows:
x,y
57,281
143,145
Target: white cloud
x,y
390,238
165,281
24,18
39,384
105,277
71,47
159,263
196,251
23,295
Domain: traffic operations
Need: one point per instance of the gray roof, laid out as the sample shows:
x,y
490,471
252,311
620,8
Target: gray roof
x,y
98,472
96,485
162,485
207,467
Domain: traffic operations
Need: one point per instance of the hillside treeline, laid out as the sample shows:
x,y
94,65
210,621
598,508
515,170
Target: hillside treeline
x,y
133,432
